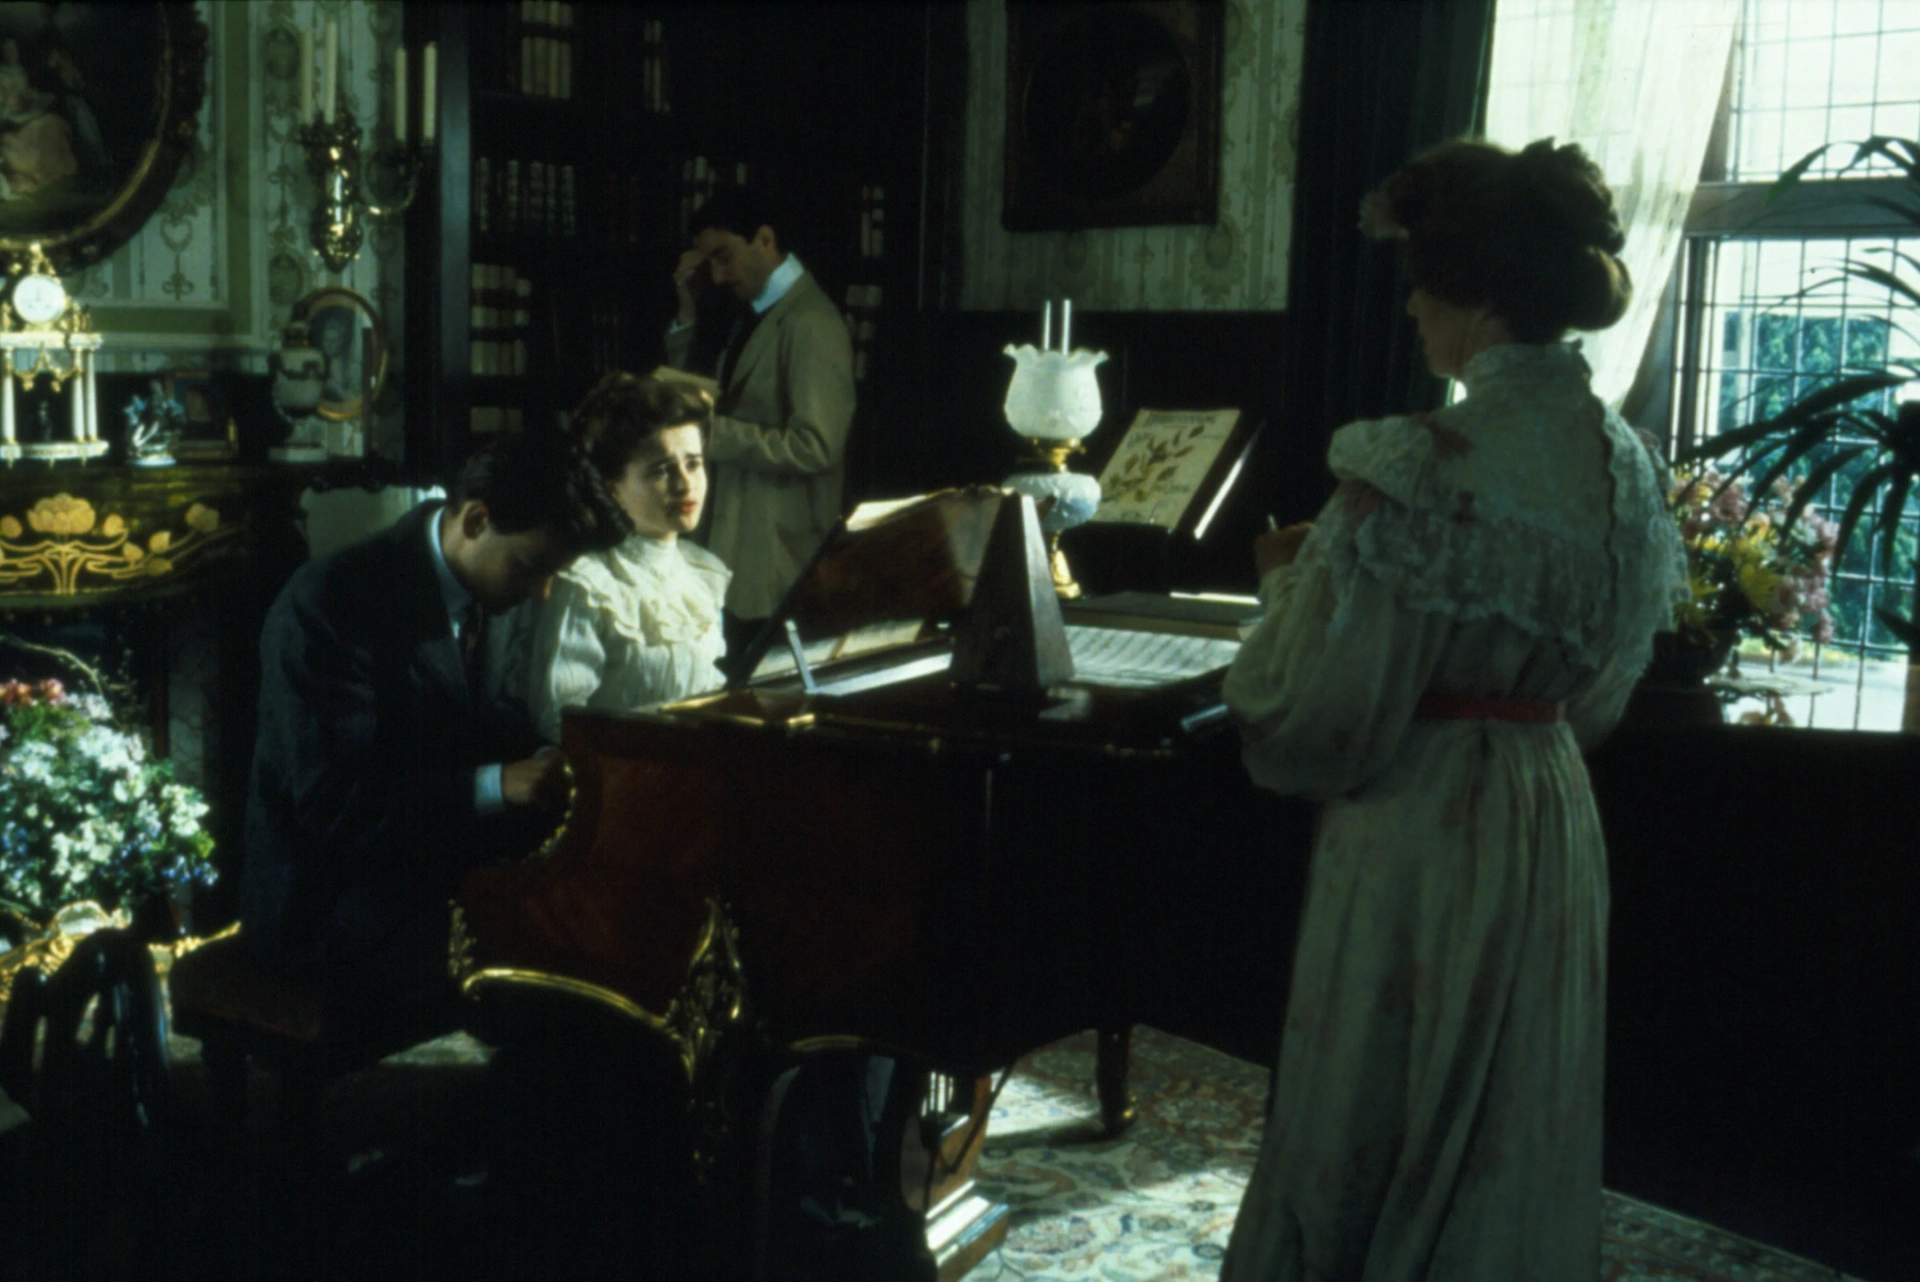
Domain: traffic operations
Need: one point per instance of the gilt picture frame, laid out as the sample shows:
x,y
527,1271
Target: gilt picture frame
x,y
1113,113
99,106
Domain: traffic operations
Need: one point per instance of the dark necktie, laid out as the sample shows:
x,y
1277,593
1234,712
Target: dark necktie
x,y
473,647
743,327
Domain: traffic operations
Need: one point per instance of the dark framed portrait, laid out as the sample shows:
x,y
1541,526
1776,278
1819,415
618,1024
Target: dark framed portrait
x,y
98,109
1113,113
207,431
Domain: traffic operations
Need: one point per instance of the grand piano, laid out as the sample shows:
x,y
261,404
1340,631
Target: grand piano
x,y
931,816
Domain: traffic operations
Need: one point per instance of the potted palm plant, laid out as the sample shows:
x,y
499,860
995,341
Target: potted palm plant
x,y
1845,429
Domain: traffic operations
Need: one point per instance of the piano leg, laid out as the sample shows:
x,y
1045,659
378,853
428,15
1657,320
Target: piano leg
x,y
1113,1058
961,1225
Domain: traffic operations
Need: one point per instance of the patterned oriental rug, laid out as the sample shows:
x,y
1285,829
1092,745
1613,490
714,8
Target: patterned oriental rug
x,y
1158,1203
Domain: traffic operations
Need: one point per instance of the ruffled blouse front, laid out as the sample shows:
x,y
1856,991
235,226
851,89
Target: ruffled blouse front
x,y
627,628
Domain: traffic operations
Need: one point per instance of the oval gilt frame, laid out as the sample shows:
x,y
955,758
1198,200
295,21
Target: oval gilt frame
x,y
180,84
327,298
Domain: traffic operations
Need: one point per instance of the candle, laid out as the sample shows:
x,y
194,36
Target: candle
x,y
1066,319
330,72
429,65
306,77
400,95
1046,326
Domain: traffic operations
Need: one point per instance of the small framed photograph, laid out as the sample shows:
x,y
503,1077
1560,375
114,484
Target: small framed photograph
x,y
208,433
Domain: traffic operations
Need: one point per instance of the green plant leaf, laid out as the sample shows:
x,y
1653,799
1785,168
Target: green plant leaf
x,y
1817,480
1790,177
1813,434
1882,277
1862,495
1907,630
1888,525
1833,397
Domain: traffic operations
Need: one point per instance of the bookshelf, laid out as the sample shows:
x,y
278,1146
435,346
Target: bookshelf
x,y
576,142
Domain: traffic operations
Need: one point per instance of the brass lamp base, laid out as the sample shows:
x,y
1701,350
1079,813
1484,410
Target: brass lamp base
x,y
1063,585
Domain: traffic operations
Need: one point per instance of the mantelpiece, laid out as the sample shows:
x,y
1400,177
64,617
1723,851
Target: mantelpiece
x,y
110,536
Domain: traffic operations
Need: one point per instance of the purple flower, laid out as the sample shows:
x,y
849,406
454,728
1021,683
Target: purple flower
x,y
1731,507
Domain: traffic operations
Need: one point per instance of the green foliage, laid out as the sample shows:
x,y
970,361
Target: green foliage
x,y
1830,426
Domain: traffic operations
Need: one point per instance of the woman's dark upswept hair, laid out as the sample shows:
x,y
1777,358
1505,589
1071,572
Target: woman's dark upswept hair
x,y
622,411
1531,234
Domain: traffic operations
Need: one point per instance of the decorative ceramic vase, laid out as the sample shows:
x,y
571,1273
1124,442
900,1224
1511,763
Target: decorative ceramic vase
x,y
299,373
299,382
1054,402
1688,658
1674,691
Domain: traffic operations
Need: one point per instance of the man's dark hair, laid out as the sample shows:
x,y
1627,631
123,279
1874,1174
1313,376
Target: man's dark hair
x,y
742,211
538,480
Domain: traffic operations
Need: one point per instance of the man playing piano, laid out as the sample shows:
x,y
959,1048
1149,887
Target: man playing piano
x,y
384,768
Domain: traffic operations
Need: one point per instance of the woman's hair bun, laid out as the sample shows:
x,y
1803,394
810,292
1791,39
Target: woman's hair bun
x,y
1531,234
1570,190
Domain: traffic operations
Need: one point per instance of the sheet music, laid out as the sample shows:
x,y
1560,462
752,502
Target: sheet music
x,y
1133,660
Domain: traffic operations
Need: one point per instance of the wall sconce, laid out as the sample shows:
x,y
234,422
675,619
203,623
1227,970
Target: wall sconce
x,y
332,143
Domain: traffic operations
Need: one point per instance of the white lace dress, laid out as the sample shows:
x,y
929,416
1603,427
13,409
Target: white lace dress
x,y
1438,1104
626,628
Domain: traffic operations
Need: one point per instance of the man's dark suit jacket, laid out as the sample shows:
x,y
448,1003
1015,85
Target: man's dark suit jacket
x,y
360,811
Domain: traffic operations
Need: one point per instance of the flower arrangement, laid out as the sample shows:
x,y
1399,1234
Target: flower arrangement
x,y
85,814
1753,573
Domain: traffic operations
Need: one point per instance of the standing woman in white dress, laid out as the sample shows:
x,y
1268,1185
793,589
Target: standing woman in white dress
x,y
1466,616
639,624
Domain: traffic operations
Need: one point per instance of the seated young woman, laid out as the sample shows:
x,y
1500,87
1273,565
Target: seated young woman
x,y
638,624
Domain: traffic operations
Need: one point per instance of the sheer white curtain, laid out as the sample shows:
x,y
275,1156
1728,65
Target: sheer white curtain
x,y
1636,84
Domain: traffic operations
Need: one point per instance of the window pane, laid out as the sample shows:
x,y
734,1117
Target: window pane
x,y
1811,72
1785,323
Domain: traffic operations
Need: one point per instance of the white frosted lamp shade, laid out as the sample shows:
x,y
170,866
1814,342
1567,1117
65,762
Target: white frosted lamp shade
x,y
1054,396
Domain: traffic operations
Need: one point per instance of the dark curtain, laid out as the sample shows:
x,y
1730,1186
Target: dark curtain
x,y
1383,80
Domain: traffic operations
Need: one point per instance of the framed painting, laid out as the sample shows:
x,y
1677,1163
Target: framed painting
x,y
98,107
208,432
1113,113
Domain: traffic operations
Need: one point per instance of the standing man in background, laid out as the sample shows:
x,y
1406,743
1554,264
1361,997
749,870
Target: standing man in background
x,y
778,448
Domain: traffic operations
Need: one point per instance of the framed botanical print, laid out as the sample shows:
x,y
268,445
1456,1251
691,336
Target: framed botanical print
x,y
1113,113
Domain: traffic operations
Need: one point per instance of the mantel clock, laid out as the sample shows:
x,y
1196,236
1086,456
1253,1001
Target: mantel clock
x,y
43,331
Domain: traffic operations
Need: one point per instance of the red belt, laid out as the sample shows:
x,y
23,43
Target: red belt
x,y
1465,707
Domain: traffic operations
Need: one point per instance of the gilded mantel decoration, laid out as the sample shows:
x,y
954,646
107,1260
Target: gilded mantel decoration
x,y
116,535
65,542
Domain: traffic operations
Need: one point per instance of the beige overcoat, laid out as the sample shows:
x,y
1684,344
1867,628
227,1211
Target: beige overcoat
x,y
778,451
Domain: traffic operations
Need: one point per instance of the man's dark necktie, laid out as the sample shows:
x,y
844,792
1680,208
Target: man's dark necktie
x,y
743,327
473,647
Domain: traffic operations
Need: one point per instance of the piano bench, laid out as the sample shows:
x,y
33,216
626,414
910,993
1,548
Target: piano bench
x,y
238,1011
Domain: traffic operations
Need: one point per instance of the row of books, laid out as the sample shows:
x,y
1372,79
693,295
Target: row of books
x,y
500,308
700,178
490,420
499,297
863,304
544,68
873,213
654,97
514,198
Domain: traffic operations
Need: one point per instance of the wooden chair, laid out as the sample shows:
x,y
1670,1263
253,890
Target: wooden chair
x,y
239,1011
123,1058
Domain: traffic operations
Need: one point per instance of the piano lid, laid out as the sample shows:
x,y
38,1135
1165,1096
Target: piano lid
x,y
971,557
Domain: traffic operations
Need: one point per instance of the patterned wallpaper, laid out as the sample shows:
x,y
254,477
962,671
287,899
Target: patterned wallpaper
x,y
211,278
1239,263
